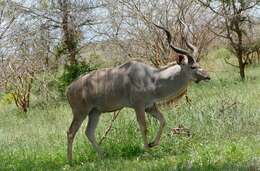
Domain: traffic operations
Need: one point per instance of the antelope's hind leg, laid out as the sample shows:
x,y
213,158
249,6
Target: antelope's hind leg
x,y
93,119
78,118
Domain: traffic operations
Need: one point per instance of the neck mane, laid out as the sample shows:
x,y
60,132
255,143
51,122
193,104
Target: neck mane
x,y
167,66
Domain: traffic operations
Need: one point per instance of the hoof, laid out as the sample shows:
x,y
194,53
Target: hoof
x,y
102,155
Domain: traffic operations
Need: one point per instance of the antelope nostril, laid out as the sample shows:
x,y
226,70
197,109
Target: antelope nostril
x,y
208,78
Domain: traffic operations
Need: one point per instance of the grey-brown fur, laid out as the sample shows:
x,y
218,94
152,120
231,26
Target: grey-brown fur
x,y
135,85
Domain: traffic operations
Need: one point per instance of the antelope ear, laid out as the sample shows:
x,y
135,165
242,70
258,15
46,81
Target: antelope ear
x,y
181,59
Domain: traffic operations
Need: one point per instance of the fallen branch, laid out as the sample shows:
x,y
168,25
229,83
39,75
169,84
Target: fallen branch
x,y
110,126
224,107
180,130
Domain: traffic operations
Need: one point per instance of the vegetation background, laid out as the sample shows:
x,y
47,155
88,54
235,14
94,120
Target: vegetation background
x,y
45,45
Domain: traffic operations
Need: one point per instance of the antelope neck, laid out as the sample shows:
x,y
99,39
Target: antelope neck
x,y
171,81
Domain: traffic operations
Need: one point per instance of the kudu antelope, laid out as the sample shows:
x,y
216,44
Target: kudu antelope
x,y
135,85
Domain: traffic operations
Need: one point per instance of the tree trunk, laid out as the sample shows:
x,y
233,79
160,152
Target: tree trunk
x,y
46,60
258,56
69,36
241,66
242,72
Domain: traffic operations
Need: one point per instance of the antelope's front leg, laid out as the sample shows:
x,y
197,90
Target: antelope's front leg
x,y
154,111
140,115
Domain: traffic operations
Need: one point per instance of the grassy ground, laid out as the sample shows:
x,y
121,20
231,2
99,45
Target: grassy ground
x,y
224,118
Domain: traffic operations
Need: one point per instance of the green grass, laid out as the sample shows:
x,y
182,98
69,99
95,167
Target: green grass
x,y
224,119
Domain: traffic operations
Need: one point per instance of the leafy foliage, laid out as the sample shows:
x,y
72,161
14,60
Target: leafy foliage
x,y
72,72
7,98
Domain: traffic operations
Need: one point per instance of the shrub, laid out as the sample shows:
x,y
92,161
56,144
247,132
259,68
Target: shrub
x,y
7,98
72,72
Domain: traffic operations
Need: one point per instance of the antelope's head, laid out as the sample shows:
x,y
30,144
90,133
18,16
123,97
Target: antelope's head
x,y
186,59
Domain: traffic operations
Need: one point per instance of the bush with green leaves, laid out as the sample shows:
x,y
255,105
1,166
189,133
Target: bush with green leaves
x,y
72,72
6,98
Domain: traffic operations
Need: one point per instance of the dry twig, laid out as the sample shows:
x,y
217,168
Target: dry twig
x,y
115,114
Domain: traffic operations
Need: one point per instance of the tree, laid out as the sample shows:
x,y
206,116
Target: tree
x,y
21,53
130,27
8,15
19,69
66,19
234,19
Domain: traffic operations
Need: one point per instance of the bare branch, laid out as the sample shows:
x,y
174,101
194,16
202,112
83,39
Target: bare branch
x,y
7,27
115,115
226,60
